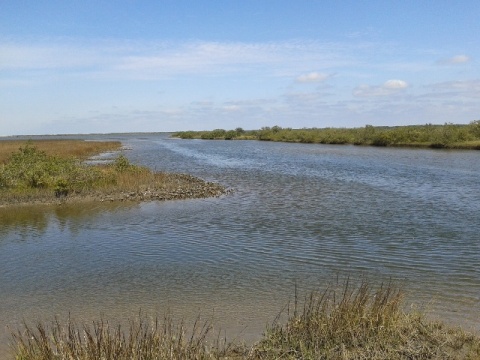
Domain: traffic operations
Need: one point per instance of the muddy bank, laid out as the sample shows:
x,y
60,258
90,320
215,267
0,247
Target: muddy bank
x,y
176,187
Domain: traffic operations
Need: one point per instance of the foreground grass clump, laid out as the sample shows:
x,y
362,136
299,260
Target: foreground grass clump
x,y
31,175
353,323
359,323
143,339
448,136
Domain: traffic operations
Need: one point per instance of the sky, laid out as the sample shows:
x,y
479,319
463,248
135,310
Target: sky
x,y
97,66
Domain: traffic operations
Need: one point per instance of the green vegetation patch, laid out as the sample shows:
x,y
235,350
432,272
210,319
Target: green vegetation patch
x,y
30,169
31,175
447,136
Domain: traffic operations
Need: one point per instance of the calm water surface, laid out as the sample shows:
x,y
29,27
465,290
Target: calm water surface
x,y
299,214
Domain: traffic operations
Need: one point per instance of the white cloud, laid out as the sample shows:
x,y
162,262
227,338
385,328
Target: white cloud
x,y
455,60
460,59
312,77
231,108
223,84
395,84
389,87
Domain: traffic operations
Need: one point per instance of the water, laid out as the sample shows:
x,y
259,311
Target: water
x,y
299,214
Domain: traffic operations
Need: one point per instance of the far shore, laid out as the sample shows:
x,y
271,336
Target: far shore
x,y
447,136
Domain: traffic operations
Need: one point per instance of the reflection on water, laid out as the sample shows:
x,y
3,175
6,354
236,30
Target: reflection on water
x,y
300,214
23,221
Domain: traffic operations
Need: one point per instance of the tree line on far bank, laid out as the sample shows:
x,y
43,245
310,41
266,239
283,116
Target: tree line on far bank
x,y
434,136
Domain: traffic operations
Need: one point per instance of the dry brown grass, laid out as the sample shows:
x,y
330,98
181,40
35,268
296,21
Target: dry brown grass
x,y
62,148
349,323
143,339
359,322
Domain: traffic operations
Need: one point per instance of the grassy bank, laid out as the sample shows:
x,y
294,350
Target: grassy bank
x,y
54,171
448,136
356,322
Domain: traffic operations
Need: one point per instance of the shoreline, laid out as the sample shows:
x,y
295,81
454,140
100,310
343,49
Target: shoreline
x,y
446,137
187,187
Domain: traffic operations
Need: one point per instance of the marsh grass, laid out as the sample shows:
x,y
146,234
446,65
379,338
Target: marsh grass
x,y
358,322
350,322
62,148
32,175
142,339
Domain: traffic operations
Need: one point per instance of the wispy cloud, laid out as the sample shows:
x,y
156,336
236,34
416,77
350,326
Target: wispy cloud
x,y
313,77
464,88
390,87
21,56
226,84
145,60
395,84
455,60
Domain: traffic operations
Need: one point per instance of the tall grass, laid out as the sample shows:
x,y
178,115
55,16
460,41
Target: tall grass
x,y
358,322
142,339
352,322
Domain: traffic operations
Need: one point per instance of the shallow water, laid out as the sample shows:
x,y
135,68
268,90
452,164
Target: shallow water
x,y
299,214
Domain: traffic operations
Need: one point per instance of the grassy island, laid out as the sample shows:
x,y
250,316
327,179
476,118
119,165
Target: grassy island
x,y
447,136
356,322
54,171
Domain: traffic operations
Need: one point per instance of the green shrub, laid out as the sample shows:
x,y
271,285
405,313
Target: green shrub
x,y
30,169
230,135
474,129
442,136
122,164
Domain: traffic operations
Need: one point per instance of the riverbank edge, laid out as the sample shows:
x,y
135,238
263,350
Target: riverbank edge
x,y
429,146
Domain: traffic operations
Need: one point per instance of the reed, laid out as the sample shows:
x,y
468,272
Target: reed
x,y
350,322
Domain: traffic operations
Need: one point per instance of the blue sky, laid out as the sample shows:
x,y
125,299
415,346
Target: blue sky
x,y
140,66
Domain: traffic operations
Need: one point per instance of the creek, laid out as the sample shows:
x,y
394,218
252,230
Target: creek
x,y
300,215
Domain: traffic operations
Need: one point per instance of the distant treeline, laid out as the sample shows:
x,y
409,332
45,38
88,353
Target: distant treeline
x,y
449,136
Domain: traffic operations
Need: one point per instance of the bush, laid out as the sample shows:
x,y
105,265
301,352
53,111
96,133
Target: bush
x,y
122,164
32,168
29,169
